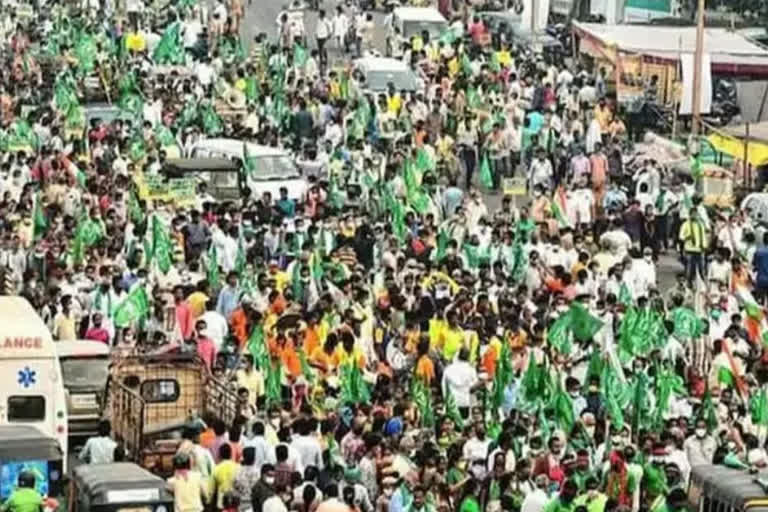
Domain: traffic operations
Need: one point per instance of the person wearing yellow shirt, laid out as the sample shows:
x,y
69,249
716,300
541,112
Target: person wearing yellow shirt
x,y
452,337
224,474
189,488
250,378
411,336
603,115
281,278
198,300
347,351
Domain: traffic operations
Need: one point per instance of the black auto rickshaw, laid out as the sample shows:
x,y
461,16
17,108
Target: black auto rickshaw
x,y
717,488
25,448
118,487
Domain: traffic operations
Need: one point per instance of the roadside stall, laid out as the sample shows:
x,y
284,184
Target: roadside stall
x,y
747,143
649,59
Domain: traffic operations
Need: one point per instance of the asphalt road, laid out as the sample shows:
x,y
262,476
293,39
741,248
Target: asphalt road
x,y
261,16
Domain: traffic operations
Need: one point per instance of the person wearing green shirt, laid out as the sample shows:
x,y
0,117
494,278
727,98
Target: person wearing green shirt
x,y
592,498
25,498
564,502
469,502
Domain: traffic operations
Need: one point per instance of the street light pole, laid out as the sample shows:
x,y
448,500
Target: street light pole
x,y
697,56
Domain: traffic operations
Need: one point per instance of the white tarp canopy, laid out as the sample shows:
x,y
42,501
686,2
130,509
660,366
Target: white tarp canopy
x,y
724,46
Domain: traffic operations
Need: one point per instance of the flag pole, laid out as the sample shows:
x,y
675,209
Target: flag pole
x,y
697,57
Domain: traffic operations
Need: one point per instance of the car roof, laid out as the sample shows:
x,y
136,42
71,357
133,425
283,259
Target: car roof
x,y
85,348
235,147
25,442
425,14
381,64
204,164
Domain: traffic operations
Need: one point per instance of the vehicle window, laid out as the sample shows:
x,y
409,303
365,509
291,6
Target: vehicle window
x,y
87,371
274,168
404,79
26,408
160,390
131,381
223,179
416,27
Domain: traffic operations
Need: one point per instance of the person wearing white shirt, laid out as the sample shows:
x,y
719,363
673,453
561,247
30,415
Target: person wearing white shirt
x,y
307,445
476,448
100,449
460,378
535,500
265,454
340,28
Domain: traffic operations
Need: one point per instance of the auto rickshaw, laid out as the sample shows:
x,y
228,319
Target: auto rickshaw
x,y
716,488
25,448
117,487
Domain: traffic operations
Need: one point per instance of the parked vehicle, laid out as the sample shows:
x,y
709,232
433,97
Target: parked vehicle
x,y
381,71
85,368
273,167
412,21
152,399
118,487
26,448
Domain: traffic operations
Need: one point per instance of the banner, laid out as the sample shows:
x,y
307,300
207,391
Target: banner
x,y
156,188
630,83
705,84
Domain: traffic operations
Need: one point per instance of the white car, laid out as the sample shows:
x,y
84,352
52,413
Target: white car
x,y
380,71
274,167
412,21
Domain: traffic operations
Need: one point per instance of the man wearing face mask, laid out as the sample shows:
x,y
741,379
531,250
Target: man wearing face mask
x,y
700,447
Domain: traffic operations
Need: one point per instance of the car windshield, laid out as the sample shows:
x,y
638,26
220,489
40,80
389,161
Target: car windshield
x,y
402,79
85,371
416,27
274,167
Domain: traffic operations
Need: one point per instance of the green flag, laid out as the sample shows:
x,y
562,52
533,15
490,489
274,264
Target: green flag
x,y
39,220
133,308
559,334
169,49
249,163
725,377
562,406
353,388
421,395
162,249
625,296
213,274
583,323
452,409
758,407
686,323
696,167
486,173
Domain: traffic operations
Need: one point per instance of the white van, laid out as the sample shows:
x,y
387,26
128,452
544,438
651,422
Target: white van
x,y
31,383
85,368
274,167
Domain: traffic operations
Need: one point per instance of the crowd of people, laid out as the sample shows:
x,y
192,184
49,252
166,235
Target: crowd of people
x,y
405,336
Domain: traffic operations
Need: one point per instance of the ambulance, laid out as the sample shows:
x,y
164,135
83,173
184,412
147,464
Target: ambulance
x,y
31,383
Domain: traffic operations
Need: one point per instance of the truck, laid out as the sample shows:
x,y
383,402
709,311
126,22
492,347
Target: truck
x,y
152,398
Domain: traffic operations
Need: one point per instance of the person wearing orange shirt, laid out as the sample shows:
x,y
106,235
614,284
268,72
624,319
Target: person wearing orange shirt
x,y
598,164
322,357
311,334
425,369
283,347
242,320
